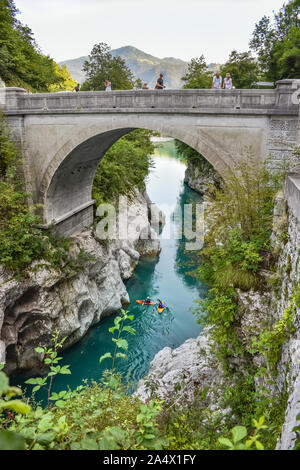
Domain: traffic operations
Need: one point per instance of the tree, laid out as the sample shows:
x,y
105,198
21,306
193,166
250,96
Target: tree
x,y
243,69
286,56
101,65
21,62
66,83
194,158
197,75
274,40
124,167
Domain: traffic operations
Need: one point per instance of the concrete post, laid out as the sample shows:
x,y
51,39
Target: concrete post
x,y
10,100
286,93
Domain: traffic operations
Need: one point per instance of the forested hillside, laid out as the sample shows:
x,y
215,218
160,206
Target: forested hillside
x,y
22,63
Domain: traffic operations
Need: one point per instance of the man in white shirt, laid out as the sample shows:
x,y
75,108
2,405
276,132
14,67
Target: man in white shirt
x,y
217,81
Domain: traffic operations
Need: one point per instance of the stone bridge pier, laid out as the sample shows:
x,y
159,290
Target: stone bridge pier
x,y
63,136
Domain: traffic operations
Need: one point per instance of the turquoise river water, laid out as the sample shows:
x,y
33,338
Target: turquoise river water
x,y
166,276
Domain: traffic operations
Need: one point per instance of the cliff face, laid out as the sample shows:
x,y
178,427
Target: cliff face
x,y
198,180
289,367
45,301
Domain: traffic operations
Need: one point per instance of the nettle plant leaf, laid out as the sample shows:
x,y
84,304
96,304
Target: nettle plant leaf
x,y
121,356
129,329
105,356
11,441
225,442
122,344
4,383
238,433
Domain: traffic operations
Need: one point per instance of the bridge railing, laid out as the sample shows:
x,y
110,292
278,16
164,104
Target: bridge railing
x,y
19,100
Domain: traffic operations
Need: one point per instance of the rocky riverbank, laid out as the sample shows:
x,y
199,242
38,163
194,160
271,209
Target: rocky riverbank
x,y
45,300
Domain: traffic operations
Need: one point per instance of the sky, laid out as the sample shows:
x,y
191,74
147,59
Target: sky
x,y
67,29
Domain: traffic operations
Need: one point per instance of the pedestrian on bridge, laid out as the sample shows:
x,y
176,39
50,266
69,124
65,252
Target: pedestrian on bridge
x,y
77,88
217,81
227,85
107,85
160,83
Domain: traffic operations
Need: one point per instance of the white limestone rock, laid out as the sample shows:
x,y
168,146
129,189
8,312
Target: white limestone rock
x,y
193,361
199,181
45,301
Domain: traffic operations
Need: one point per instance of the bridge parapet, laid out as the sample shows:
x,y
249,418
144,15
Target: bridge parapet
x,y
18,101
292,192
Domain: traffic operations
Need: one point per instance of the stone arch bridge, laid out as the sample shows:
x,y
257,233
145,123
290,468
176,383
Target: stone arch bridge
x,y
63,136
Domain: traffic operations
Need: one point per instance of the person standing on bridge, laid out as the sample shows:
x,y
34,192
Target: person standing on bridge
x,y
107,85
217,81
227,82
160,83
77,88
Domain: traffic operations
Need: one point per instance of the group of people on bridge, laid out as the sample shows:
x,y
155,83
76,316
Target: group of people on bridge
x,y
217,83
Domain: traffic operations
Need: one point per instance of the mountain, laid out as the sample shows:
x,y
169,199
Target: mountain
x,y
143,66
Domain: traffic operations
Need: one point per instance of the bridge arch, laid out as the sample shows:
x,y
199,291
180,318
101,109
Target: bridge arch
x,y
66,186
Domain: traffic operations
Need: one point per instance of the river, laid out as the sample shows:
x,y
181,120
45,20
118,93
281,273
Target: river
x,y
167,276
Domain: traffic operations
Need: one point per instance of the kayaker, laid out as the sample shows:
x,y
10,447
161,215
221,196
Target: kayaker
x,y
147,301
161,304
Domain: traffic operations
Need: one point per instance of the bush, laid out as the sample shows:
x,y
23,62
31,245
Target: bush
x,y
21,241
240,216
124,167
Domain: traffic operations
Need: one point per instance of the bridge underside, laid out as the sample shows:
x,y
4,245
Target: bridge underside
x,y
68,200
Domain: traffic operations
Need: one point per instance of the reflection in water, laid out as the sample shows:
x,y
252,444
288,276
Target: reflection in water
x,y
165,276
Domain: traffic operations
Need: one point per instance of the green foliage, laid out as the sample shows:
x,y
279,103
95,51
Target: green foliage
x,y
195,158
124,167
242,67
101,66
10,440
277,43
297,297
120,343
240,434
100,416
197,75
51,360
21,62
219,310
240,216
66,81
270,341
21,241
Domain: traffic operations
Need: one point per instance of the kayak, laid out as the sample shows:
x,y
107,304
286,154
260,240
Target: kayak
x,y
142,302
160,309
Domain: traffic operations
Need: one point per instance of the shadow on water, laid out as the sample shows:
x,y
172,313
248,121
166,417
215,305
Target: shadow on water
x,y
166,276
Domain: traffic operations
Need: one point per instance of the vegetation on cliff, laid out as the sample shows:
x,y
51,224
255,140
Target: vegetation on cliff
x,y
22,64
124,167
21,239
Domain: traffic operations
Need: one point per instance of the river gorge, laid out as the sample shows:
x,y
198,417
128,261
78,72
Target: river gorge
x,y
168,348
167,275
